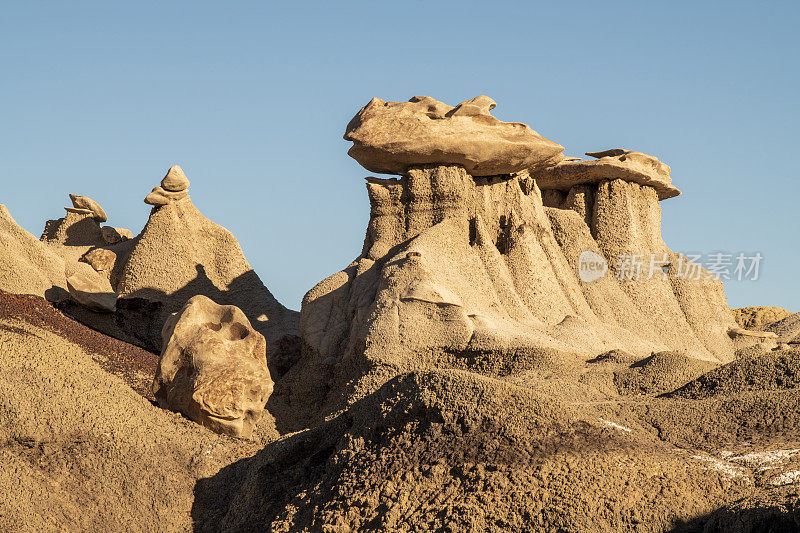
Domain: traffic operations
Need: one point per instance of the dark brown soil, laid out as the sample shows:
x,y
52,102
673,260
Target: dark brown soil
x,y
129,362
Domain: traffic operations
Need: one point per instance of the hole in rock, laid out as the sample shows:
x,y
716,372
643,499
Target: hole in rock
x,y
503,242
473,231
237,332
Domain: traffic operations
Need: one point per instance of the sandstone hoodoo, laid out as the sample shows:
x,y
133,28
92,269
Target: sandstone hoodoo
x,y
173,187
515,348
456,262
180,253
390,137
79,227
213,367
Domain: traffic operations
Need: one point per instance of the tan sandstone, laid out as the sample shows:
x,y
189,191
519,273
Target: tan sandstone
x,y
91,290
175,180
390,137
616,163
159,196
84,202
101,259
213,367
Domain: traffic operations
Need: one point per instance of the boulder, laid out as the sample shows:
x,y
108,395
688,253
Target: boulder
x,y
84,202
390,137
175,180
213,367
91,290
101,259
112,235
611,164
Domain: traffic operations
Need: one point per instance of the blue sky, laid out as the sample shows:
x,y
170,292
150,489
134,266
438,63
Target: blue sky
x,y
252,98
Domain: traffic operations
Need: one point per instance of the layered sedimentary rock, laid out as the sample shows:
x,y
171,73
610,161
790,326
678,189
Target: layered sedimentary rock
x,y
616,163
213,367
84,203
455,264
390,137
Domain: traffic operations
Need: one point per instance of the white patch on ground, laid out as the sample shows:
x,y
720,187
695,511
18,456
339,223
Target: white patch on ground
x,y
732,471
763,459
615,425
787,478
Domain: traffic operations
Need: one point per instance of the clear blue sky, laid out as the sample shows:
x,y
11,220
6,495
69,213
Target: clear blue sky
x,y
252,98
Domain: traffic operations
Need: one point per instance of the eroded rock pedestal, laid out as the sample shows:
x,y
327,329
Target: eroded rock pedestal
x,y
455,264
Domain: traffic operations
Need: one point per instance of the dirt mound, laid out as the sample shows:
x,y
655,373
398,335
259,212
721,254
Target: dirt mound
x,y
777,512
133,364
79,448
756,318
787,329
26,265
659,373
450,450
775,370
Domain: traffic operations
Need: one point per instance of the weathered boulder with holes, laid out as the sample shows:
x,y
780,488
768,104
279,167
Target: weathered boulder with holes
x,y
213,367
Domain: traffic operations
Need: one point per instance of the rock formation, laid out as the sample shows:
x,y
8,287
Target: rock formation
x,y
84,203
456,264
101,259
390,137
213,367
181,253
616,163
173,187
77,228
509,352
